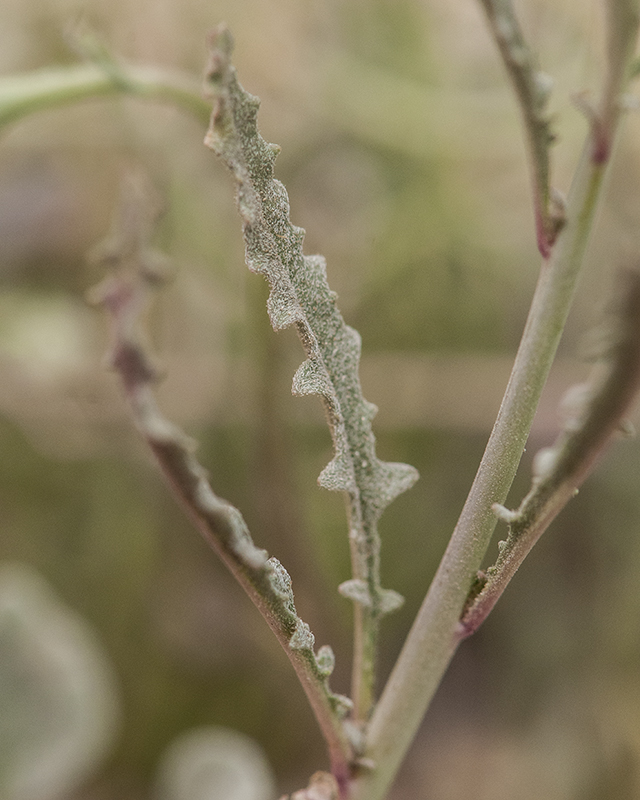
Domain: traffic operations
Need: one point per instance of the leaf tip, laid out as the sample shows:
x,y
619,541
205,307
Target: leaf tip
x,y
220,41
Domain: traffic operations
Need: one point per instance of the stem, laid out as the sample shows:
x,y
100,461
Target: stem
x,y
436,632
264,579
21,95
585,438
532,90
433,640
365,641
623,17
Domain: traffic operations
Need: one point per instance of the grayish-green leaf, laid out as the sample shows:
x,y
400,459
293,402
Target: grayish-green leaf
x,y
125,294
300,296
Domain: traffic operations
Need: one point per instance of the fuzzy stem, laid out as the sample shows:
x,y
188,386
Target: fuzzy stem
x,y
532,92
436,632
623,17
433,640
365,640
21,95
573,458
125,295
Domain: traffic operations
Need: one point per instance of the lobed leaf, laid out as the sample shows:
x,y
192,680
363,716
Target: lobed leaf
x,y
125,294
300,296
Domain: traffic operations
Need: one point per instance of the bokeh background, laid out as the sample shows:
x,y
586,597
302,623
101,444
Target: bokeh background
x,y
403,157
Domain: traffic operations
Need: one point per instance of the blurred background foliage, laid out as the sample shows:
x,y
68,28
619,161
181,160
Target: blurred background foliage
x,y
403,158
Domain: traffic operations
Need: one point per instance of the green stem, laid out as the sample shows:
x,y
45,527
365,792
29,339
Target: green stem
x,y
623,18
434,636
436,632
599,414
21,95
365,640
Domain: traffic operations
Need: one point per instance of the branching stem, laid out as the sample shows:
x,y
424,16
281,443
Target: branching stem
x,y
433,638
436,632
300,297
598,413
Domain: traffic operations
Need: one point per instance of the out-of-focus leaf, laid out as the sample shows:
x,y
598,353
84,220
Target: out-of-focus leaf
x,y
215,763
58,700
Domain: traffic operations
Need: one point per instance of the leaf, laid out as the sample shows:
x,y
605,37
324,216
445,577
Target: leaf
x,y
125,294
59,701
300,296
214,763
